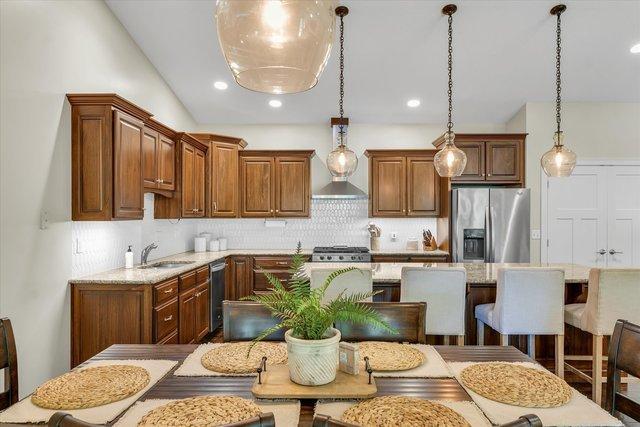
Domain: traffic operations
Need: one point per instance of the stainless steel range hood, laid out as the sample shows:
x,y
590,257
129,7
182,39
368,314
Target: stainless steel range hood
x,y
340,188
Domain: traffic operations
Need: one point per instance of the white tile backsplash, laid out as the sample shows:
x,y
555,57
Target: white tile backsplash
x,y
332,222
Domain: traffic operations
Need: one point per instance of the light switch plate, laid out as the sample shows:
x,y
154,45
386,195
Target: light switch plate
x,y
535,234
394,235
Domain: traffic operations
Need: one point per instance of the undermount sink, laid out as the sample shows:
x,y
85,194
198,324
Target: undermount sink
x,y
167,264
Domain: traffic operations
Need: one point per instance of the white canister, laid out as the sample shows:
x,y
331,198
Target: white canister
x,y
223,243
214,245
200,244
207,236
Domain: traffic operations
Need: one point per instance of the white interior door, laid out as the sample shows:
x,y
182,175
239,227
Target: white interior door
x,y
623,236
577,217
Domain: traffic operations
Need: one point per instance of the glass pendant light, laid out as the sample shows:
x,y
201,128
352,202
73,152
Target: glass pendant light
x,y
559,161
342,162
276,46
450,161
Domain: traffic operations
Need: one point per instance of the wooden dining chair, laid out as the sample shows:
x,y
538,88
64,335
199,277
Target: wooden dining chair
x,y
529,420
245,320
407,317
327,421
62,419
8,362
624,356
263,420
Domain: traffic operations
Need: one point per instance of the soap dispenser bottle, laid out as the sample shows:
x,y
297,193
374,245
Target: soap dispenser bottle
x,y
128,258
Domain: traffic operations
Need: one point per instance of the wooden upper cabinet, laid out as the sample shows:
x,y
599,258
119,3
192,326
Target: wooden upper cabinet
x,y
166,163
224,186
150,141
127,183
159,158
199,171
292,186
275,184
256,186
491,158
403,183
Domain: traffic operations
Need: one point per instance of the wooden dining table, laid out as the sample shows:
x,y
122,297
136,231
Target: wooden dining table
x,y
173,387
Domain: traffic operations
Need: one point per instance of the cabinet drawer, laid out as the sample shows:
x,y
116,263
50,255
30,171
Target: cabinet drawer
x,y
260,282
166,319
172,338
165,291
202,275
428,259
272,263
390,258
187,280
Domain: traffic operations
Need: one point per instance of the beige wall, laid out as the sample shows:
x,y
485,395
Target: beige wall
x,y
48,49
592,130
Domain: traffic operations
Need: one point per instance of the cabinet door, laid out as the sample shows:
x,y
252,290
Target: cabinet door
x,y
166,163
423,187
150,147
505,161
388,186
257,187
202,311
127,161
224,180
199,182
474,171
292,186
243,277
188,180
230,280
187,315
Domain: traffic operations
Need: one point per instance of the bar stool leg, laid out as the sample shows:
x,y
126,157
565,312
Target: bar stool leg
x,y
460,340
560,356
531,346
504,339
480,332
597,369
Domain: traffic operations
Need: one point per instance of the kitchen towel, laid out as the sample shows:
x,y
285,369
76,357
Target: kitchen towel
x,y
470,412
433,367
285,412
579,411
26,412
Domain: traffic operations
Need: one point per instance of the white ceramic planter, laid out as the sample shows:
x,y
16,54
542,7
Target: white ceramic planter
x,y
313,362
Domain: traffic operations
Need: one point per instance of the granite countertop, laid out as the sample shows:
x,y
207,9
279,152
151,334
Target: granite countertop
x,y
477,273
141,276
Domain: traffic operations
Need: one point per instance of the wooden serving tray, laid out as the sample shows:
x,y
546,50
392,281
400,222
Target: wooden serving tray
x,y
277,385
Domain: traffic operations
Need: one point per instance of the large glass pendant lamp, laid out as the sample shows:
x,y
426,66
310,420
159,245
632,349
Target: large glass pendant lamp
x,y
342,161
276,46
559,161
450,161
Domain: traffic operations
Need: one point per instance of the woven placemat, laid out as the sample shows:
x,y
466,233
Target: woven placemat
x,y
91,387
402,411
389,356
201,411
516,385
232,358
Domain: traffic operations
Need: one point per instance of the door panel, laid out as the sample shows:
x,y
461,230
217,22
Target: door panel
x,y
389,187
199,182
257,187
474,171
187,314
149,158
623,212
423,187
202,311
292,186
224,180
167,163
128,193
188,180
503,161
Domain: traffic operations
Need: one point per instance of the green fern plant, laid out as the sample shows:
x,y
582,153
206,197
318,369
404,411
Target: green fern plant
x,y
300,308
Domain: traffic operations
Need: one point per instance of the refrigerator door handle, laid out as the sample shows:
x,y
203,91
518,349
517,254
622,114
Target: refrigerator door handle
x,y
487,235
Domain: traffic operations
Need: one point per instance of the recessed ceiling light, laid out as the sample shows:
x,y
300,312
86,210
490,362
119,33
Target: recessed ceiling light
x,y
220,85
413,103
275,103
635,48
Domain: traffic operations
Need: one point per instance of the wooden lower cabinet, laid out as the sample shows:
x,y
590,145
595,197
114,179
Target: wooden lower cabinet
x,y
202,311
239,281
409,258
187,328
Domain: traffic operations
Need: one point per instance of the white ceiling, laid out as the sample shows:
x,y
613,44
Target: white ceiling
x,y
504,56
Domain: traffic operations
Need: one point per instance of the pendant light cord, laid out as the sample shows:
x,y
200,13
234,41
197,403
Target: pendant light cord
x,y
558,76
341,101
449,69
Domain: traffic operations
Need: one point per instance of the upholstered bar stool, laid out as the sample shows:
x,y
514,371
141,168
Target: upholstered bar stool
x,y
444,290
613,294
529,301
351,282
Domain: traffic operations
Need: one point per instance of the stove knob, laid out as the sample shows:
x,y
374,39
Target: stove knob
x,y
341,257
353,257
321,257
329,257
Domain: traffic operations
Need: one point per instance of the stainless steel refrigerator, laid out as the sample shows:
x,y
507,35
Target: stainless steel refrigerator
x,y
490,224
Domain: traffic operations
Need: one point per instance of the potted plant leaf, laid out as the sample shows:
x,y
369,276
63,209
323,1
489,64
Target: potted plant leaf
x,y
312,341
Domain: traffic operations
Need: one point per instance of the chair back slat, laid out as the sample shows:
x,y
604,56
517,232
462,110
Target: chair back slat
x,y
407,317
529,420
624,356
8,362
245,320
352,282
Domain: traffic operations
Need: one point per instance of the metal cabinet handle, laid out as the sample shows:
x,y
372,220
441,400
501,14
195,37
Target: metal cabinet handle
x,y
161,181
601,252
488,174
271,210
166,319
613,252
157,180
277,210
482,174
215,206
168,291
282,262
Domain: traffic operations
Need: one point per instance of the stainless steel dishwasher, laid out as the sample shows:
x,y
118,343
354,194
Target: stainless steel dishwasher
x,y
216,293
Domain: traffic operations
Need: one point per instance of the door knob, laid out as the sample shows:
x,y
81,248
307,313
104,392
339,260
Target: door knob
x,y
613,252
601,252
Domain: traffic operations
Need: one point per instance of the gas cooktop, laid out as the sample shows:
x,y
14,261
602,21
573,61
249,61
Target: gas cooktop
x,y
340,254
